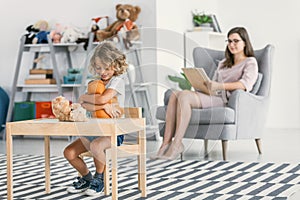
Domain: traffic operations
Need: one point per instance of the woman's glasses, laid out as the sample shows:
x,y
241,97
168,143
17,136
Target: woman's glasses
x,y
234,41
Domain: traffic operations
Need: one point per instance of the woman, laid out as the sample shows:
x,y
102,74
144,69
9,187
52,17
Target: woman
x,y
238,70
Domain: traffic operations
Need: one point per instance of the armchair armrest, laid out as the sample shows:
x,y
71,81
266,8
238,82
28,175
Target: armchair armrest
x,y
250,111
240,97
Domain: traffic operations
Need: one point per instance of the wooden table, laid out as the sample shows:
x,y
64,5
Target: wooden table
x,y
93,127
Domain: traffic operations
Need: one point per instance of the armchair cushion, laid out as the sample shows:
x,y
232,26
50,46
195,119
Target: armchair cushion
x,y
216,115
257,83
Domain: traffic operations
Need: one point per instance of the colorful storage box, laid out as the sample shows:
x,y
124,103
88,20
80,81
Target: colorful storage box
x,y
24,110
43,110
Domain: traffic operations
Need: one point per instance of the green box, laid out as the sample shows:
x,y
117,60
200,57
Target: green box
x,y
24,110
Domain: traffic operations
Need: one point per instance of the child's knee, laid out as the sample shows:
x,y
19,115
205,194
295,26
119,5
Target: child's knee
x,y
69,154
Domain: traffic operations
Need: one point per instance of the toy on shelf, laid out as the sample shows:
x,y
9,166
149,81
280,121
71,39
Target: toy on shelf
x,y
31,33
41,36
126,16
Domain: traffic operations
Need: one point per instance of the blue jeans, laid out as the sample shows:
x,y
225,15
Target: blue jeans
x,y
120,139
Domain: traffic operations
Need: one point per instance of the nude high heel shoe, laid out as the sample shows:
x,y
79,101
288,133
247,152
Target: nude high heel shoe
x,y
162,150
173,152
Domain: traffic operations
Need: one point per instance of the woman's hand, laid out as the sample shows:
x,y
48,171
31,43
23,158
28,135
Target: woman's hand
x,y
113,110
214,86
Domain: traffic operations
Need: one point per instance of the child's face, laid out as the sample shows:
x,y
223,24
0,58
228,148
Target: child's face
x,y
105,72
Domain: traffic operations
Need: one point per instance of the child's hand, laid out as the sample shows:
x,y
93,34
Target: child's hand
x,y
113,110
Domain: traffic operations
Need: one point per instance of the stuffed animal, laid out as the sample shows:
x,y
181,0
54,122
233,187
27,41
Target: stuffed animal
x,y
41,36
70,35
63,111
31,33
126,15
98,87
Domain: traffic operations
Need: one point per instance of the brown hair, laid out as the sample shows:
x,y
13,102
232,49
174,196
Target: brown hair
x,y
109,56
248,49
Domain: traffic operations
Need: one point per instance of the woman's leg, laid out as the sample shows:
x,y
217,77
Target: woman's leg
x,y
170,125
98,147
72,152
171,118
186,100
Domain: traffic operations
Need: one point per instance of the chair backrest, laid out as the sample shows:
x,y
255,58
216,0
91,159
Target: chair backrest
x,y
133,112
209,60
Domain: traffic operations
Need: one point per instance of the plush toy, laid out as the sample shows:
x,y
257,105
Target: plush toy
x,y
63,111
98,87
126,15
56,33
41,36
31,33
70,35
55,36
94,28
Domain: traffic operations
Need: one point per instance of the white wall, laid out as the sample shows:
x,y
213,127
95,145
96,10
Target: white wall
x,y
273,22
267,21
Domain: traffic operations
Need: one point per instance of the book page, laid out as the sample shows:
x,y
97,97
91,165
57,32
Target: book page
x,y
197,77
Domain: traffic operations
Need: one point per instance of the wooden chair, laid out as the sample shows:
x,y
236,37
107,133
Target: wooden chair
x,y
125,150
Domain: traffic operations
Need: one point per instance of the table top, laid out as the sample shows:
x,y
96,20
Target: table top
x,y
91,127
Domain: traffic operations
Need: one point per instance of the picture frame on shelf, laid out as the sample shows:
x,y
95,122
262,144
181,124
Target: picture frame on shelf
x,y
215,24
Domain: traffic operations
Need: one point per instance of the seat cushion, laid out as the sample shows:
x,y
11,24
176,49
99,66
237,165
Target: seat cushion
x,y
216,115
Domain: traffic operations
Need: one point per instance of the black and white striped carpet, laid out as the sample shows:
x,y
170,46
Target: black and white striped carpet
x,y
211,180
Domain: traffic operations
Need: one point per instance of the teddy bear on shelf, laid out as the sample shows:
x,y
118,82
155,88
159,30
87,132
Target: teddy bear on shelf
x,y
41,36
126,16
98,87
64,111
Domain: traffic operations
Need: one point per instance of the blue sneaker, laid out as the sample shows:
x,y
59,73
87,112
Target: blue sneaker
x,y
80,185
96,187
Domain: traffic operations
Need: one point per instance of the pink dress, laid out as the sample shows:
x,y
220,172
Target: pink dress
x,y
246,72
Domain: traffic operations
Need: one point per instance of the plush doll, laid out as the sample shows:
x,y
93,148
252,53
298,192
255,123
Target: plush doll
x,y
55,36
31,33
41,36
126,15
56,33
98,87
63,111
70,35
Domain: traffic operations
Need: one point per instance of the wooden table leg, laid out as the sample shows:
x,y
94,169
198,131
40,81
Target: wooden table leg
x,y
114,167
9,161
47,163
142,175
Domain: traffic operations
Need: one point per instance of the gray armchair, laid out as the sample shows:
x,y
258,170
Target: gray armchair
x,y
245,114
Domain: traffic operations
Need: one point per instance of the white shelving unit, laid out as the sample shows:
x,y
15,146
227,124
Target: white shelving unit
x,y
59,87
138,90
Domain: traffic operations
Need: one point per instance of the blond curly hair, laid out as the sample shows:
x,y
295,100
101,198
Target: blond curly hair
x,y
109,55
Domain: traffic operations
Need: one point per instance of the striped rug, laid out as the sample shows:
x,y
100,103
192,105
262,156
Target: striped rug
x,y
204,180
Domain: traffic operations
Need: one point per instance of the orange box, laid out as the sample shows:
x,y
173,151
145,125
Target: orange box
x,y
43,110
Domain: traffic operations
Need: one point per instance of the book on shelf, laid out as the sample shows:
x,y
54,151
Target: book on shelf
x,y
197,77
40,81
39,76
41,71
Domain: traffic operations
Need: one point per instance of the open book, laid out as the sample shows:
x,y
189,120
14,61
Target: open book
x,y
197,77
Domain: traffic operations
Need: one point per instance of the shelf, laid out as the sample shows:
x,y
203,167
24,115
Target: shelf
x,y
45,88
46,48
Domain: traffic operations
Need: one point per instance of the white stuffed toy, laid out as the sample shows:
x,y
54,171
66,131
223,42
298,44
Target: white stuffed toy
x,y
71,35
63,111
